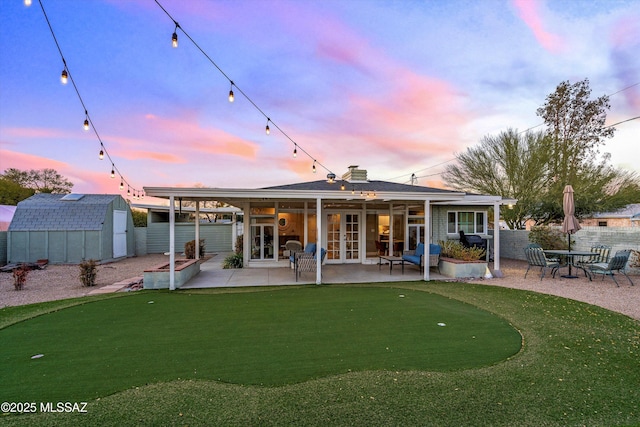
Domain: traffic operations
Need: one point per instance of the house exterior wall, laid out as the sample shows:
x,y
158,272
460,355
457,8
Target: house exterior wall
x,y
3,248
217,237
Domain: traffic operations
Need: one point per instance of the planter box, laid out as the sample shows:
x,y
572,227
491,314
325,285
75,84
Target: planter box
x,y
158,277
462,269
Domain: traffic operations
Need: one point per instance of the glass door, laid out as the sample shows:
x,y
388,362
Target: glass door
x,y
343,237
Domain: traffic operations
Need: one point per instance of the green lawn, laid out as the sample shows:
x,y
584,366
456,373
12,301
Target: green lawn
x,y
337,355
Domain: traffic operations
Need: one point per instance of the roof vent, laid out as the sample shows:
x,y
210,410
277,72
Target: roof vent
x,y
355,174
73,197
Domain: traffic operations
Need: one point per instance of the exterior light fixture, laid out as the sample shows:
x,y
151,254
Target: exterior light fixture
x,y
101,155
331,177
295,151
266,129
64,77
121,184
113,173
342,186
231,97
314,166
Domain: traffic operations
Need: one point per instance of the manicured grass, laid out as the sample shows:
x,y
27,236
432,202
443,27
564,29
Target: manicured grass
x,y
269,338
579,366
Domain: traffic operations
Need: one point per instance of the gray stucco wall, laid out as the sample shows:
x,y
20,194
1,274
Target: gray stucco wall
x,y
217,237
513,242
3,248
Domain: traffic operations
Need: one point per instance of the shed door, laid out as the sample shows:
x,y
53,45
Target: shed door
x,y
119,234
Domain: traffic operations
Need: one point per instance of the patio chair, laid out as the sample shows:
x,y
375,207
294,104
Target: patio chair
x,y
616,263
291,246
600,255
307,262
309,249
537,258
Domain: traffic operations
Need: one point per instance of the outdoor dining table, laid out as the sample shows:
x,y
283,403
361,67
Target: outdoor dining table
x,y
571,255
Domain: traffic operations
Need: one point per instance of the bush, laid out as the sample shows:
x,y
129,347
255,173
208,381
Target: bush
x,y
190,249
20,277
88,272
233,261
548,238
454,249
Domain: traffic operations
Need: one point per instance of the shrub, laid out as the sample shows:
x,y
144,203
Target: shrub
x,y
548,238
233,261
20,276
239,244
190,249
88,272
454,249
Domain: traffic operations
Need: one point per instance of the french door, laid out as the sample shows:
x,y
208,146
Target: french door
x,y
343,237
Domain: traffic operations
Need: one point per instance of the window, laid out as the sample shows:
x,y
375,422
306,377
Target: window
x,y
471,222
602,223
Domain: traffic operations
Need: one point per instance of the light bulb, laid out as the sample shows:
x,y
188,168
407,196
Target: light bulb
x,y
267,130
174,39
27,3
231,97
64,77
314,166
295,152
128,191
113,173
101,155
121,184
85,126
342,187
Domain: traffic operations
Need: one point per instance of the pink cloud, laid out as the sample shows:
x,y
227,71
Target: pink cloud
x,y
529,12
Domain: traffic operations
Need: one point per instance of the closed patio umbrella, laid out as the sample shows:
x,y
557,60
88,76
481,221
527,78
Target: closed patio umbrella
x,y
570,224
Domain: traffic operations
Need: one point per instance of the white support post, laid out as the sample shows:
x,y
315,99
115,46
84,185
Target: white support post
x,y
427,238
172,243
318,241
197,242
496,240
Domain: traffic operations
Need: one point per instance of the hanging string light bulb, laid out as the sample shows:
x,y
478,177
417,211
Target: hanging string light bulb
x,y
113,172
64,76
27,3
266,129
121,184
174,37
128,191
101,155
314,166
295,151
85,126
231,97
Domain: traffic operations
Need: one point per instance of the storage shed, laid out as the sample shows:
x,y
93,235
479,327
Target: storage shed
x,y
69,228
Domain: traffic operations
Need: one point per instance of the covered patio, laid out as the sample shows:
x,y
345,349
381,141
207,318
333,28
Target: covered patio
x,y
212,275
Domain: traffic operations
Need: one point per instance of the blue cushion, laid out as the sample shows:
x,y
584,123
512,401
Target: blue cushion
x,y
434,249
310,248
414,259
419,249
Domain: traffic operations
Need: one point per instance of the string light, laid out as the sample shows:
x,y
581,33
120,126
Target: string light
x,y
314,166
128,191
331,178
295,151
174,37
231,97
65,76
266,129
342,186
27,3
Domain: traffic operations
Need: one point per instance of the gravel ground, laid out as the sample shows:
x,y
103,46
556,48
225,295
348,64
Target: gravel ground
x,y
62,281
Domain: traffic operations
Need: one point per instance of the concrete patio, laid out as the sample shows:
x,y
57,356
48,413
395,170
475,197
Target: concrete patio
x,y
212,275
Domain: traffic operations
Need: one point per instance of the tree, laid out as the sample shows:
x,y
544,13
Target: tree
x,y
40,181
511,164
576,128
11,193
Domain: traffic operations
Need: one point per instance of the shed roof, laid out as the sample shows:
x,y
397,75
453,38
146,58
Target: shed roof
x,y
46,211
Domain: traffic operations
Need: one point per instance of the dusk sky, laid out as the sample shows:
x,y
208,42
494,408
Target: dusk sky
x,y
396,87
